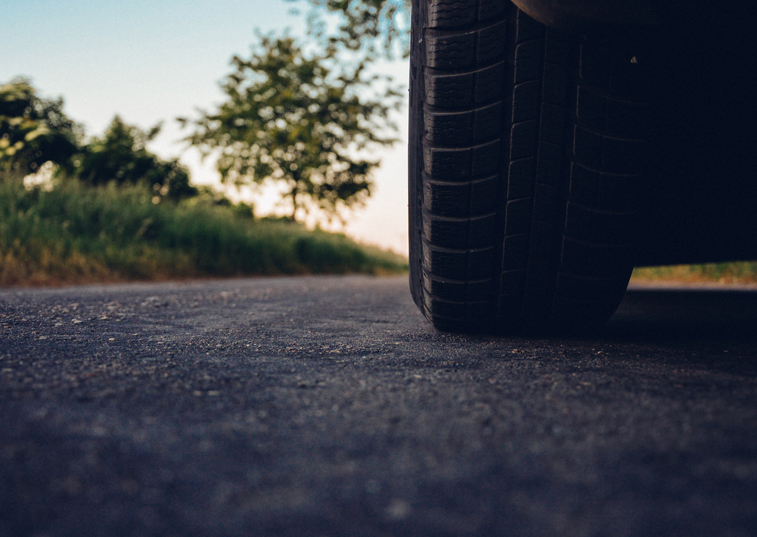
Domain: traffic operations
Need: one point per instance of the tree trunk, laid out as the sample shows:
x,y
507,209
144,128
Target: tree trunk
x,y
293,217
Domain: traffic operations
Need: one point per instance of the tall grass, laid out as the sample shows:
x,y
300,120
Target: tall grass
x,y
75,233
733,272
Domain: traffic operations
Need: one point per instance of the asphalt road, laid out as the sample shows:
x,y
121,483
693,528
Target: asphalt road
x,y
328,406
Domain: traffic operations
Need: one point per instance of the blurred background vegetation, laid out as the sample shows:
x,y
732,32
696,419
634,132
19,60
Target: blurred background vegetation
x,y
742,272
75,208
77,233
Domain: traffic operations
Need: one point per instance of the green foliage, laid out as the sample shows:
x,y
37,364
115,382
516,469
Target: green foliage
x,y
303,120
210,196
121,155
78,233
364,24
33,130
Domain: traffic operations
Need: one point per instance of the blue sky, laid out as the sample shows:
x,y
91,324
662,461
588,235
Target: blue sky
x,y
152,61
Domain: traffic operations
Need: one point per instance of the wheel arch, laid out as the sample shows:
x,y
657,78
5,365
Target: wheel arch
x,y
585,14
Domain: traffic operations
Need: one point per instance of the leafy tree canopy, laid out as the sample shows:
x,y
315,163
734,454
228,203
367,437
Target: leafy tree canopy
x,y
364,24
121,155
299,119
34,130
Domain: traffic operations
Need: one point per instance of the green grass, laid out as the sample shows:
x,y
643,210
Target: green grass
x,y
75,233
738,272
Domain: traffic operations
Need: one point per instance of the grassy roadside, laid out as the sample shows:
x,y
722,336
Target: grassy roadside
x,y
80,234
744,272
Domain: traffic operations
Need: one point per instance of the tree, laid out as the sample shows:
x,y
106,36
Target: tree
x,y
121,155
34,130
300,119
364,24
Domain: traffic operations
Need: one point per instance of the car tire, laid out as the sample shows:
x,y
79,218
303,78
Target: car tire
x,y
525,155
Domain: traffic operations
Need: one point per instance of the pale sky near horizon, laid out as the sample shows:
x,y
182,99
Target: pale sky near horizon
x,y
150,61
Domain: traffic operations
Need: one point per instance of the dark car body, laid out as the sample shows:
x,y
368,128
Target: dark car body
x,y
581,14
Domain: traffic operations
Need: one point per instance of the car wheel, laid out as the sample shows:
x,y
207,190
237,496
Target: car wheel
x,y
525,152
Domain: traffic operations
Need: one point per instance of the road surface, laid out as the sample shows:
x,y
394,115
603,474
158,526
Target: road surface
x,y
328,406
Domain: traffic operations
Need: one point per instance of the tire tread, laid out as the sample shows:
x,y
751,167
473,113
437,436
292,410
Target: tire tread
x,y
523,194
